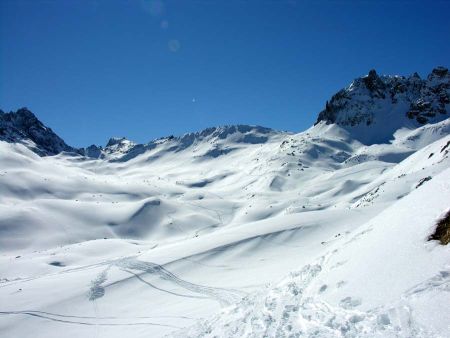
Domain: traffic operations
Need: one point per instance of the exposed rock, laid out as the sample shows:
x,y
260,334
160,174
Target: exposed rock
x,y
442,232
439,71
23,127
115,141
390,101
374,83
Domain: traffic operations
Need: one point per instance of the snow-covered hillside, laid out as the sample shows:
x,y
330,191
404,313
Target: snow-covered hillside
x,y
234,231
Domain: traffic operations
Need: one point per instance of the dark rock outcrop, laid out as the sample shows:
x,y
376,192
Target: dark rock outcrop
x,y
23,127
390,100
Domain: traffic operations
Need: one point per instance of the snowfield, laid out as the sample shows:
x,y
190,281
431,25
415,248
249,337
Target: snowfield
x,y
286,237
236,231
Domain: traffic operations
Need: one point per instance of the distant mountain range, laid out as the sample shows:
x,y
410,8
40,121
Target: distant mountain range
x,y
371,108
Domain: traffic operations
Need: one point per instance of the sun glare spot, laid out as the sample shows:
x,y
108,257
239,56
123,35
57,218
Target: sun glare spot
x,y
174,45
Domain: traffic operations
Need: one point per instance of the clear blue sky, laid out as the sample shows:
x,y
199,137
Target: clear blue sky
x,y
91,69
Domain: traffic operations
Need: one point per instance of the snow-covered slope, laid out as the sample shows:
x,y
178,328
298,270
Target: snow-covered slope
x,y
231,231
383,279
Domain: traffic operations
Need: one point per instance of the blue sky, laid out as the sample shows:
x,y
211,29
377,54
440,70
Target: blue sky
x,y
91,69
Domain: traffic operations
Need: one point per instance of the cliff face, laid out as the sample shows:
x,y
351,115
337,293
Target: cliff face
x,y
24,127
391,102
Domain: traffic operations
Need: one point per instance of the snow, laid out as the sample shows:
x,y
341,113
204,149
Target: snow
x,y
234,231
382,280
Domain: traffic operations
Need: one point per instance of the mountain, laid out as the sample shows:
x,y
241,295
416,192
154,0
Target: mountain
x,y
23,127
235,230
373,107
121,149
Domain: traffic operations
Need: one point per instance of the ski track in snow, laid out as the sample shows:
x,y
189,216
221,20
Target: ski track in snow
x,y
95,320
224,296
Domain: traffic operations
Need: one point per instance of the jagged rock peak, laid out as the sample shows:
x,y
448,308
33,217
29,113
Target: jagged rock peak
x,y
22,126
390,101
22,116
373,81
439,71
116,140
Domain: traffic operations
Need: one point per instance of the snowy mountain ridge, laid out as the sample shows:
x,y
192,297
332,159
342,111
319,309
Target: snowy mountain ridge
x,y
373,107
121,149
24,127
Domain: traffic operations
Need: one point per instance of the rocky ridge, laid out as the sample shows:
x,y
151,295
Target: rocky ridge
x,y
390,101
371,108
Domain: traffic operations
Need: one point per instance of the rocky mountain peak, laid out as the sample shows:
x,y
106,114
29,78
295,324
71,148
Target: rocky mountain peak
x,y
22,126
439,72
414,76
390,102
372,108
116,141
373,82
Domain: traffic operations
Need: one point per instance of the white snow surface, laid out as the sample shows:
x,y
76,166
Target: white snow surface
x,y
242,232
